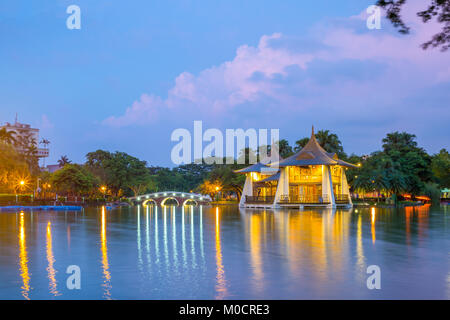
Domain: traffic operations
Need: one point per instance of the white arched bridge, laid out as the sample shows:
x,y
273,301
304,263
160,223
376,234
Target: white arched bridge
x,y
181,198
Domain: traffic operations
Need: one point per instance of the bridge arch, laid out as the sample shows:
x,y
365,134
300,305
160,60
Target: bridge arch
x,y
153,202
170,198
190,200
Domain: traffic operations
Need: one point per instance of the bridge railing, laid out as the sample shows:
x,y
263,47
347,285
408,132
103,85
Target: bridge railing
x,y
187,195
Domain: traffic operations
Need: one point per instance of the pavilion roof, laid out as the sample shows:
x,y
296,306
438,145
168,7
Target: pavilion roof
x,y
274,177
313,154
257,167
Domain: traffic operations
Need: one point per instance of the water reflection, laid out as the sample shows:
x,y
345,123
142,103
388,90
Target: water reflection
x,y
105,264
372,220
23,259
51,260
221,289
256,224
360,258
204,252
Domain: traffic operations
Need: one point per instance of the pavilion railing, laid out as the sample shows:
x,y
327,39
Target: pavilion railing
x,y
304,199
259,199
341,198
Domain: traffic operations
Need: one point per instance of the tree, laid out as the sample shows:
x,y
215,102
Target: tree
x,y
26,146
13,168
438,9
63,161
284,149
299,144
228,180
440,165
7,136
413,162
119,171
74,179
329,141
209,187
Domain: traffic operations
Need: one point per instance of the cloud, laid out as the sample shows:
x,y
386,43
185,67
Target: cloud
x,y
143,111
340,70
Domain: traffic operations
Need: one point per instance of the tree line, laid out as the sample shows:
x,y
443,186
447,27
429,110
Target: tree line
x,y
401,166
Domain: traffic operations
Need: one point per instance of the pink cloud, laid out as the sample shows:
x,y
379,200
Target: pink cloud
x,y
218,89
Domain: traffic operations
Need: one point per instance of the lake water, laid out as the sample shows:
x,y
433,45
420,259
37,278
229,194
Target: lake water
x,y
226,253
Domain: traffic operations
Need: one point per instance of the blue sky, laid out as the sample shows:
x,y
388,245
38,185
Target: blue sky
x,y
137,70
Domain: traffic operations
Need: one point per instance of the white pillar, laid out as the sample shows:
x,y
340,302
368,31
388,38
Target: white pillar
x,y
283,184
344,186
248,189
327,186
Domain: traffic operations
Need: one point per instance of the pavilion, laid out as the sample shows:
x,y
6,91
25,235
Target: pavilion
x,y
311,177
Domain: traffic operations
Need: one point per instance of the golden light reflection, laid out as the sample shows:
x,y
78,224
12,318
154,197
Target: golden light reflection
x,y
105,264
255,250
51,260
192,235
372,213
221,288
408,214
23,260
360,262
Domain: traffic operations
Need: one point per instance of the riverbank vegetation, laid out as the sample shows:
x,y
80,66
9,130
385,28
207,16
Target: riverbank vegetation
x,y
401,166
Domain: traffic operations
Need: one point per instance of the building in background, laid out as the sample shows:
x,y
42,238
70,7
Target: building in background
x,y
22,130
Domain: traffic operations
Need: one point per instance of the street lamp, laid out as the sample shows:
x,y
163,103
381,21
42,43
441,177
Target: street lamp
x,y
103,188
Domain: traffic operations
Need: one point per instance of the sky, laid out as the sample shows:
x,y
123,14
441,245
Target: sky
x,y
138,70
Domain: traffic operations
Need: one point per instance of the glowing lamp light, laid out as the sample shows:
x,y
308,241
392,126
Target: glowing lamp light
x,y
22,182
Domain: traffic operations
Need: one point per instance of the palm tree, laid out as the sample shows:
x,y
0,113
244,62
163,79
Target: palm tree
x,y
329,141
7,136
63,161
45,142
299,144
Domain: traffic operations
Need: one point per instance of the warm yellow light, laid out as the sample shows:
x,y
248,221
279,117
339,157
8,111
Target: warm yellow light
x,y
103,188
22,182
217,188
359,164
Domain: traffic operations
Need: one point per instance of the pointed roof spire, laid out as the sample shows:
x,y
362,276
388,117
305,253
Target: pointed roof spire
x,y
312,132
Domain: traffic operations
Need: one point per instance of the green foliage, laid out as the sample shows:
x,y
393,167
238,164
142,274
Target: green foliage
x,y
121,172
284,149
13,167
329,141
440,165
74,179
433,191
